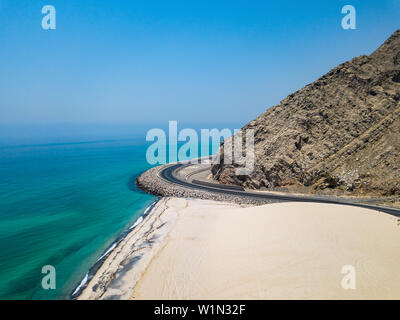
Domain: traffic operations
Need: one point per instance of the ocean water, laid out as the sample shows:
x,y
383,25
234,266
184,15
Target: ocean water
x,y
64,205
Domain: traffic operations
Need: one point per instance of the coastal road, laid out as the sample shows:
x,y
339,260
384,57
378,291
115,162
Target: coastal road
x,y
169,174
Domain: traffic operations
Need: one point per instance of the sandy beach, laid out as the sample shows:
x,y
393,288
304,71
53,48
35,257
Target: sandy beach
x,y
124,266
202,249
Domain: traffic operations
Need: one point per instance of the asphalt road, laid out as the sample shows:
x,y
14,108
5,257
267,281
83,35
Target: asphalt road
x,y
169,175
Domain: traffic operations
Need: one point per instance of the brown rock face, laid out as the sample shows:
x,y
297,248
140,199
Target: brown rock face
x,y
340,132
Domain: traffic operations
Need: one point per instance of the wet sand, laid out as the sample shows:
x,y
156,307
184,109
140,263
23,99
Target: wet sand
x,y
124,266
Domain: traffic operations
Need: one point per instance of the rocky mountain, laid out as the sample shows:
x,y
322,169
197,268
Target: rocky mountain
x,y
340,132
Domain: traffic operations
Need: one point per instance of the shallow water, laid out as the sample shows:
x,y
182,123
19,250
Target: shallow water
x,y
64,205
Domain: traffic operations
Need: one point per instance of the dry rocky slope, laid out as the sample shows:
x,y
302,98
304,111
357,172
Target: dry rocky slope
x,y
340,133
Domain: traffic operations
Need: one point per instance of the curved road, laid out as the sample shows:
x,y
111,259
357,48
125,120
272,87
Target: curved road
x,y
169,175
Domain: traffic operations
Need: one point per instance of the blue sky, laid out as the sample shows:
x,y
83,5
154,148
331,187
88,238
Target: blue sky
x,y
130,63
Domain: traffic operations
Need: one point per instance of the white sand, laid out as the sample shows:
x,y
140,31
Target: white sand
x,y
119,273
276,251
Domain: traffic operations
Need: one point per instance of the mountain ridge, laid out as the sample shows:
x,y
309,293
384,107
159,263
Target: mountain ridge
x,y
340,132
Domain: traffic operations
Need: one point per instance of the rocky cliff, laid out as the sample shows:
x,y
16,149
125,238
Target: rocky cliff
x,y
341,132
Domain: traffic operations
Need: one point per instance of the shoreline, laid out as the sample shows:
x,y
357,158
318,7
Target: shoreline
x,y
77,291
118,272
124,265
204,249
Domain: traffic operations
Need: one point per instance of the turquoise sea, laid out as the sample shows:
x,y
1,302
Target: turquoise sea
x,y
64,205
